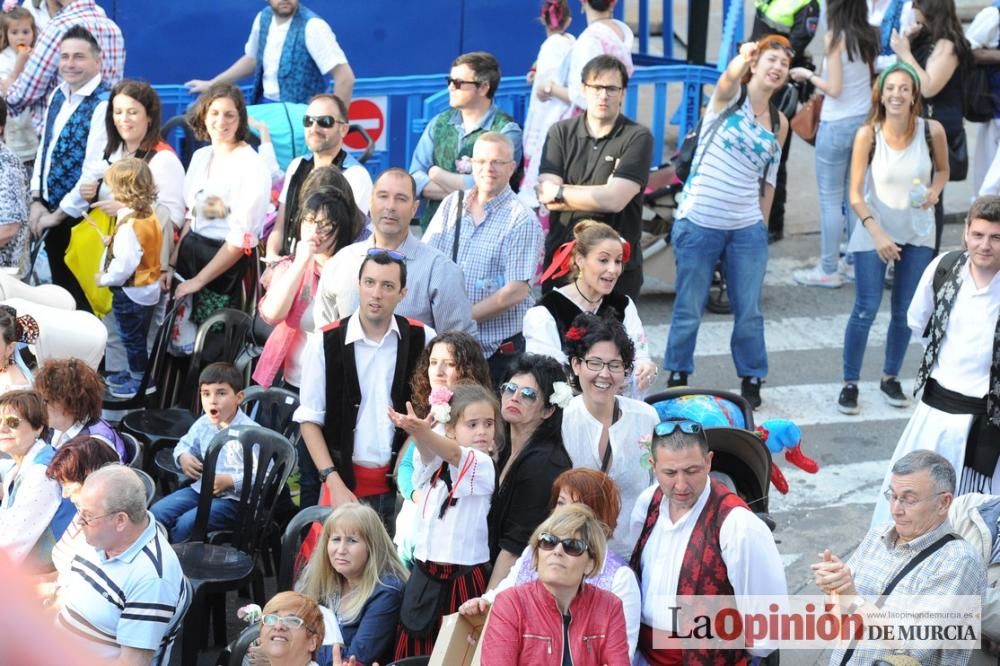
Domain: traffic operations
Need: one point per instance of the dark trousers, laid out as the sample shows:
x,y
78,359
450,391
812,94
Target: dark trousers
x,y
309,484
776,220
385,507
132,321
56,242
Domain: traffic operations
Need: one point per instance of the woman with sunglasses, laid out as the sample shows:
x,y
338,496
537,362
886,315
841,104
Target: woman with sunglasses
x,y
531,407
291,630
602,429
594,260
33,515
543,621
596,491
227,190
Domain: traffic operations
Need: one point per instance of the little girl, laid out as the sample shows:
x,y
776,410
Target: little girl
x,y
132,266
17,36
456,476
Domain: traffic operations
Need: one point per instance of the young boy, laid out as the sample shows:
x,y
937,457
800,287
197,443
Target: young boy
x,y
221,388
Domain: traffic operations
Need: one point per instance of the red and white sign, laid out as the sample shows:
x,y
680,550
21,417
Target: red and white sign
x,y
370,113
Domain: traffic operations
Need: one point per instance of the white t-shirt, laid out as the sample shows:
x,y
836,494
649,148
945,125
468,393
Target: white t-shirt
x,y
320,42
242,180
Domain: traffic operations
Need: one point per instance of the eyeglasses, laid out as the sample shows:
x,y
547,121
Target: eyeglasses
x,y
290,621
86,522
458,83
382,252
326,122
528,393
11,421
612,91
324,228
907,502
493,164
596,365
572,547
669,427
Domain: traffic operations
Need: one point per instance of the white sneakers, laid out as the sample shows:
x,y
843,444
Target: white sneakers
x,y
817,277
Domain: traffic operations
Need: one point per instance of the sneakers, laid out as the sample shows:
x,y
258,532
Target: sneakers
x,y
127,389
845,269
817,277
893,392
847,403
750,390
117,378
677,379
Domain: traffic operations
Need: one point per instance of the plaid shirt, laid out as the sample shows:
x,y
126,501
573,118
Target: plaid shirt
x,y
505,247
955,569
41,73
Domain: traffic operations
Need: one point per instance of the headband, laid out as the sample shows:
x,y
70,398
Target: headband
x,y
896,67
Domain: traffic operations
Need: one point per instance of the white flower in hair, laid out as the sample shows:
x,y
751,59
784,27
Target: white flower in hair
x,y
561,395
441,413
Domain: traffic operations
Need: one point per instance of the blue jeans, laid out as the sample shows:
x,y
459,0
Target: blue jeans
x,y
834,142
744,258
869,273
132,321
178,509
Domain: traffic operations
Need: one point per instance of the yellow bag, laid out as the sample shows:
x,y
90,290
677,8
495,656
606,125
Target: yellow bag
x,y
83,258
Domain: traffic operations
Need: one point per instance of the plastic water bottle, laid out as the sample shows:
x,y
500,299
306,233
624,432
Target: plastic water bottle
x,y
917,194
922,219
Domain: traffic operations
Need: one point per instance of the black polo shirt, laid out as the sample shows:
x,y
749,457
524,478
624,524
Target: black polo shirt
x,y
572,153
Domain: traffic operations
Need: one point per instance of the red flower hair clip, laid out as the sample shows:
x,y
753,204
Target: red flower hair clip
x,y
576,333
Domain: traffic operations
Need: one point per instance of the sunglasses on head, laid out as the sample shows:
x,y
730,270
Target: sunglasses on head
x,y
528,393
669,427
326,122
572,547
11,421
382,252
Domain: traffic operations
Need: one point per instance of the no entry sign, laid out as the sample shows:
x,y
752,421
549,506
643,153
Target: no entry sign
x,y
370,113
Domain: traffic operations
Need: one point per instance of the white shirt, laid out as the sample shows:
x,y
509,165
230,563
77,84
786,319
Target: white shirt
x,y
36,501
752,561
461,536
19,135
40,13
73,204
963,362
126,254
628,438
320,42
358,177
984,31
376,363
168,174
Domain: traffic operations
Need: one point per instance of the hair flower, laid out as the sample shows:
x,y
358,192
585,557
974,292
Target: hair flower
x,y
561,395
441,412
440,396
8,5
251,613
576,333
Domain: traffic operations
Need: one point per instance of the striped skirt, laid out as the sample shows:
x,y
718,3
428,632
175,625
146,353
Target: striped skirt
x,y
466,583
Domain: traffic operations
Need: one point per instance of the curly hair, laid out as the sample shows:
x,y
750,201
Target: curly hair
x,y
73,384
594,329
131,183
546,371
198,112
468,355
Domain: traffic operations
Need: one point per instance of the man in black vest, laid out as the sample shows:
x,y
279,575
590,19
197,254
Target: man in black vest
x,y
352,373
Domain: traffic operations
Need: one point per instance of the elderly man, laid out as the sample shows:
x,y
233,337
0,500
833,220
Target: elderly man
x,y
326,126
496,241
290,52
126,600
696,537
440,162
920,543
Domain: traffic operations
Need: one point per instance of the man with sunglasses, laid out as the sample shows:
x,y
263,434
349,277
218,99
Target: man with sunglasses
x,y
696,537
290,53
441,161
595,166
326,125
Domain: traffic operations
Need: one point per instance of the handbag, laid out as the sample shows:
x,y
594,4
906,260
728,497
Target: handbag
x,y
805,123
423,598
196,251
83,259
958,156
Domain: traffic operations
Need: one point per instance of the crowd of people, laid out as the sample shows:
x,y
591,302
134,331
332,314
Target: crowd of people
x,y
484,445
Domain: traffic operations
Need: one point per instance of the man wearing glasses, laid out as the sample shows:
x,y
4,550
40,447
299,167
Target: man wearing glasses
x,y
127,598
919,551
595,167
326,125
696,537
441,162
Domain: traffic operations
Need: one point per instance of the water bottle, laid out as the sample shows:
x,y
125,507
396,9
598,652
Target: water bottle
x,y
922,219
917,194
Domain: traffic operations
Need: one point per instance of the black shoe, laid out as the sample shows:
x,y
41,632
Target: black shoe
x,y
893,393
774,235
677,379
750,390
847,403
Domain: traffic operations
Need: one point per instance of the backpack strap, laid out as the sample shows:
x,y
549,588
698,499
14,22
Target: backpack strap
x,y
730,110
927,138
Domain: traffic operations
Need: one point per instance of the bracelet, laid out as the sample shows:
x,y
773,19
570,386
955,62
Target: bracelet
x,y
865,219
38,200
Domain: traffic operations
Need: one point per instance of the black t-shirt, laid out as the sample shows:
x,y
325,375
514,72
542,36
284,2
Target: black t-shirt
x,y
579,159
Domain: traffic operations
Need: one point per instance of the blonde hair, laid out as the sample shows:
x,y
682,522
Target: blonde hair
x,y
574,521
321,581
587,234
131,183
16,14
301,606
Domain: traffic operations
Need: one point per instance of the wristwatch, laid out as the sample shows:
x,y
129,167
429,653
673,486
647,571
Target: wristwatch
x,y
325,472
559,198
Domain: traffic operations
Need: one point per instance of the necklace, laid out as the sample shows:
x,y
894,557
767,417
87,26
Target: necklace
x,y
576,283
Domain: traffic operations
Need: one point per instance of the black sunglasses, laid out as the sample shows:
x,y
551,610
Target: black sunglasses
x,y
572,547
326,122
528,393
669,427
382,252
458,83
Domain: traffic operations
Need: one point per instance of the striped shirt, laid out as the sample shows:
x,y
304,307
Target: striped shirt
x,y
136,599
505,247
723,189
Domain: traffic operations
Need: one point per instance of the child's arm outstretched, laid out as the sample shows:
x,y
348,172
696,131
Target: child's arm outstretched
x,y
428,442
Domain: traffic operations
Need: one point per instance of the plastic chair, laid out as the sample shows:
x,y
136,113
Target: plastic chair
x,y
214,569
133,450
153,377
291,541
411,661
273,408
234,654
148,484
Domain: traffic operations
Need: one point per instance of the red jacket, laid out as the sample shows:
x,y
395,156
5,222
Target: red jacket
x,y
526,627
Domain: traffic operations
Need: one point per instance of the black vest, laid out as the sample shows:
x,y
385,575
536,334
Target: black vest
x,y
564,311
343,392
294,193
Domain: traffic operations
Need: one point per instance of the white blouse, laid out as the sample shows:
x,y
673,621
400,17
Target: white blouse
x,y
168,174
37,498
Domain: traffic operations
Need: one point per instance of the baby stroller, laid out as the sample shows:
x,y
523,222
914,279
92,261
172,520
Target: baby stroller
x,y
740,459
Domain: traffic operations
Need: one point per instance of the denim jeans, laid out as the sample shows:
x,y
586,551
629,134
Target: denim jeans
x,y
834,142
132,321
869,273
744,257
177,512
